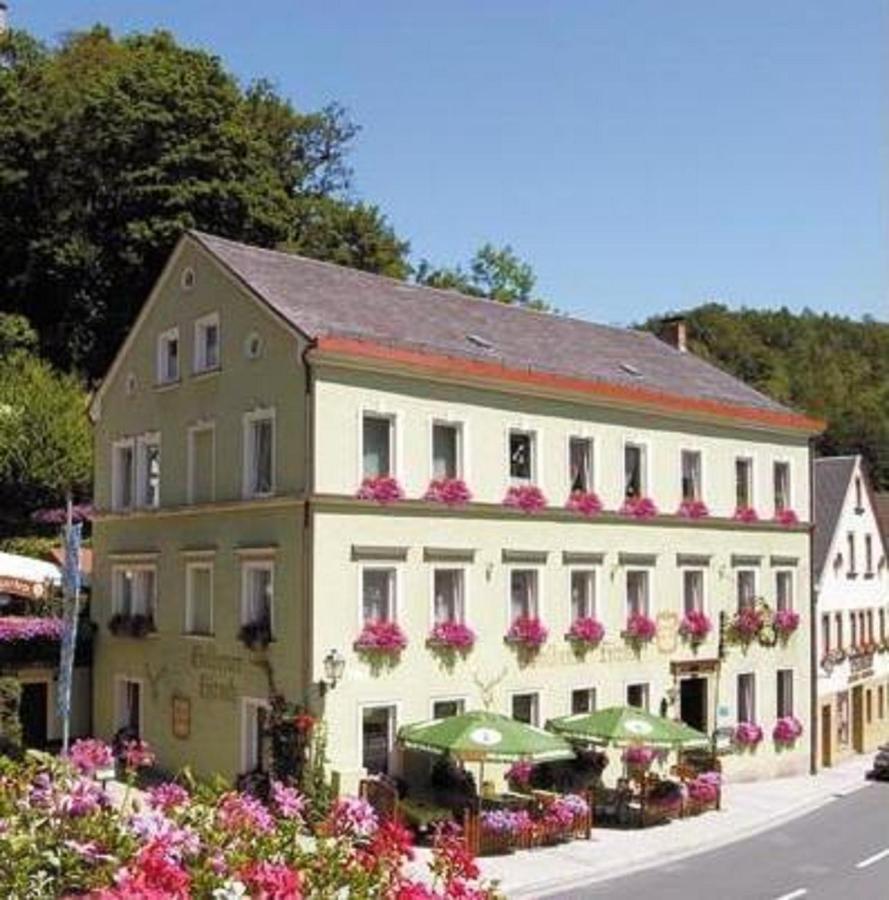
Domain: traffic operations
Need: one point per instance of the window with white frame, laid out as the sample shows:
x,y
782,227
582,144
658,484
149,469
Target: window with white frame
x,y
446,450
743,482
859,496
691,475
868,555
746,588
199,598
134,591
447,587
583,594
782,486
201,464
526,708
784,699
123,474
377,443
128,706
638,598
521,455
784,589
634,471
378,594
692,590
580,464
378,729
254,724
444,709
259,453
583,700
638,695
747,697
257,592
206,343
523,596
148,469
850,540
168,356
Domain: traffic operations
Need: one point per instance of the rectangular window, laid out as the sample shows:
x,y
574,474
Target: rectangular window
x,y
692,590
257,593
746,588
255,738
444,709
526,708
259,458
638,600
377,738
691,475
376,446
870,626
850,541
448,595
839,623
825,633
206,343
853,629
199,599
784,590
782,486
129,706
747,697
583,700
580,464
583,594
523,594
868,555
134,591
634,471
521,455
882,624
743,482
843,717
123,470
377,595
446,450
637,696
784,683
202,464
168,356
149,470
859,504
881,702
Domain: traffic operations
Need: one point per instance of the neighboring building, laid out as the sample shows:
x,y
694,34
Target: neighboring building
x,y
255,393
852,590
881,502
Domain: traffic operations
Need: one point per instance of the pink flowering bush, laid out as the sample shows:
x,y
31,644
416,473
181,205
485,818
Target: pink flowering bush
x,y
526,497
519,774
705,787
786,517
639,630
639,756
381,638
786,621
747,735
587,503
746,624
586,632
454,636
787,729
638,508
746,514
695,626
87,755
565,809
693,509
380,489
527,631
29,628
450,491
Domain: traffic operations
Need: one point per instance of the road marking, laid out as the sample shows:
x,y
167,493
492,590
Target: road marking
x,y
872,859
800,892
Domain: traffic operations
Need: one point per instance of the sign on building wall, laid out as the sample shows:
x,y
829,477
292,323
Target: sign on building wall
x,y
181,712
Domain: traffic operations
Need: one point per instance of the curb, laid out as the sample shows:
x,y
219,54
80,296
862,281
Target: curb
x,y
542,889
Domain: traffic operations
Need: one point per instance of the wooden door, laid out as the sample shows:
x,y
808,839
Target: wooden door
x,y
826,736
33,713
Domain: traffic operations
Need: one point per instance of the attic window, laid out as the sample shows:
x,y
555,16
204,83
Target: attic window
x,y
630,369
479,341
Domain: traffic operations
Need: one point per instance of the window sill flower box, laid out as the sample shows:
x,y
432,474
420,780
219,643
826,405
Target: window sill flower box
x,y
786,622
35,639
382,641
693,509
587,503
638,757
638,508
746,514
382,489
786,731
639,631
526,497
451,637
134,625
786,517
747,735
528,633
695,627
747,624
585,633
450,491
256,635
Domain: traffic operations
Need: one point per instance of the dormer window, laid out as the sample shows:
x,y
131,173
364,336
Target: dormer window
x,y
206,343
168,357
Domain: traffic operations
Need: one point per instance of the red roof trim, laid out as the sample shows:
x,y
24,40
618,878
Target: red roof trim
x,y
451,365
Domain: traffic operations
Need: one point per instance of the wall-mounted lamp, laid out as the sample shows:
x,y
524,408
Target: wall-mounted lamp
x,y
334,665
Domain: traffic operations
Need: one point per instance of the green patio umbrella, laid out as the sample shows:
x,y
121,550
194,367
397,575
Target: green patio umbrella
x,y
482,736
623,725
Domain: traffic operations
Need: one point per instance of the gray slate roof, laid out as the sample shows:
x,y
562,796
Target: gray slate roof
x,y
324,300
832,477
881,503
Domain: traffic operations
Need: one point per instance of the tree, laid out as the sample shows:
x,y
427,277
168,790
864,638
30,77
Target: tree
x,y
495,273
110,148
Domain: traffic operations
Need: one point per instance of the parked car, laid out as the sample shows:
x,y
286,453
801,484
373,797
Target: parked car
x,y
880,771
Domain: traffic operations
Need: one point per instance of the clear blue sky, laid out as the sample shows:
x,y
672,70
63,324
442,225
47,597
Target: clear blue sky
x,y
643,155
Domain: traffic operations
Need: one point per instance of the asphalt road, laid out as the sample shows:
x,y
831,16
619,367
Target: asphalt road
x,y
839,852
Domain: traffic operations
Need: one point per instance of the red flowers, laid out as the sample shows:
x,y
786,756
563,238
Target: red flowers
x,y
451,636
587,503
747,734
695,626
527,631
786,621
746,624
787,518
272,881
640,629
638,508
152,876
526,497
587,631
746,514
450,491
693,509
381,637
381,489
136,754
787,729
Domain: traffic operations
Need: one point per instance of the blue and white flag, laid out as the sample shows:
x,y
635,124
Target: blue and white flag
x,y
71,590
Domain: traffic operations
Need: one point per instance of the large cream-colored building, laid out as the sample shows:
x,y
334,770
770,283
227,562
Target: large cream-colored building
x,y
258,390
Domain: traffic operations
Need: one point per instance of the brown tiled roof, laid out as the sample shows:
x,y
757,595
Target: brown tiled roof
x,y
324,300
832,476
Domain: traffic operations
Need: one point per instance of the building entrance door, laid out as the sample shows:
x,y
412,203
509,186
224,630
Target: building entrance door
x,y
826,732
377,735
857,719
33,712
693,703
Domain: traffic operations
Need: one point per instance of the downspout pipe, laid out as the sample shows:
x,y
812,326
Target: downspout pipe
x,y
813,626
308,530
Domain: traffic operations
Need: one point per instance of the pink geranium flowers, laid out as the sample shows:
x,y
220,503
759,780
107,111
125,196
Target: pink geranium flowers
x,y
746,514
746,625
787,729
88,755
639,756
586,631
786,621
587,503
381,489
29,628
693,509
526,497
381,637
528,632
451,636
638,508
747,734
639,630
695,626
450,491
787,518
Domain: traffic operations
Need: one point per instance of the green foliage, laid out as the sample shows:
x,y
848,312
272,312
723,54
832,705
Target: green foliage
x,y
110,148
831,367
10,724
495,273
16,334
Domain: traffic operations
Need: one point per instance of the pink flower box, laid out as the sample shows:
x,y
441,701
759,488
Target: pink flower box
x,y
705,788
29,628
519,773
528,632
786,622
746,624
451,636
745,514
587,631
693,509
381,637
787,518
587,503
640,629
639,756
695,626
747,734
787,730
526,497
450,491
381,489
638,508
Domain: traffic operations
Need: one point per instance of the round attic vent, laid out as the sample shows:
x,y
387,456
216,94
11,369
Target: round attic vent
x,y
187,279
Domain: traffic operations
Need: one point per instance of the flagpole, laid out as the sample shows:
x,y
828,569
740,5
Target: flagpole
x,y
71,614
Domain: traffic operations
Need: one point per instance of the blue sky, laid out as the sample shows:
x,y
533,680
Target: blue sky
x,y
643,155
